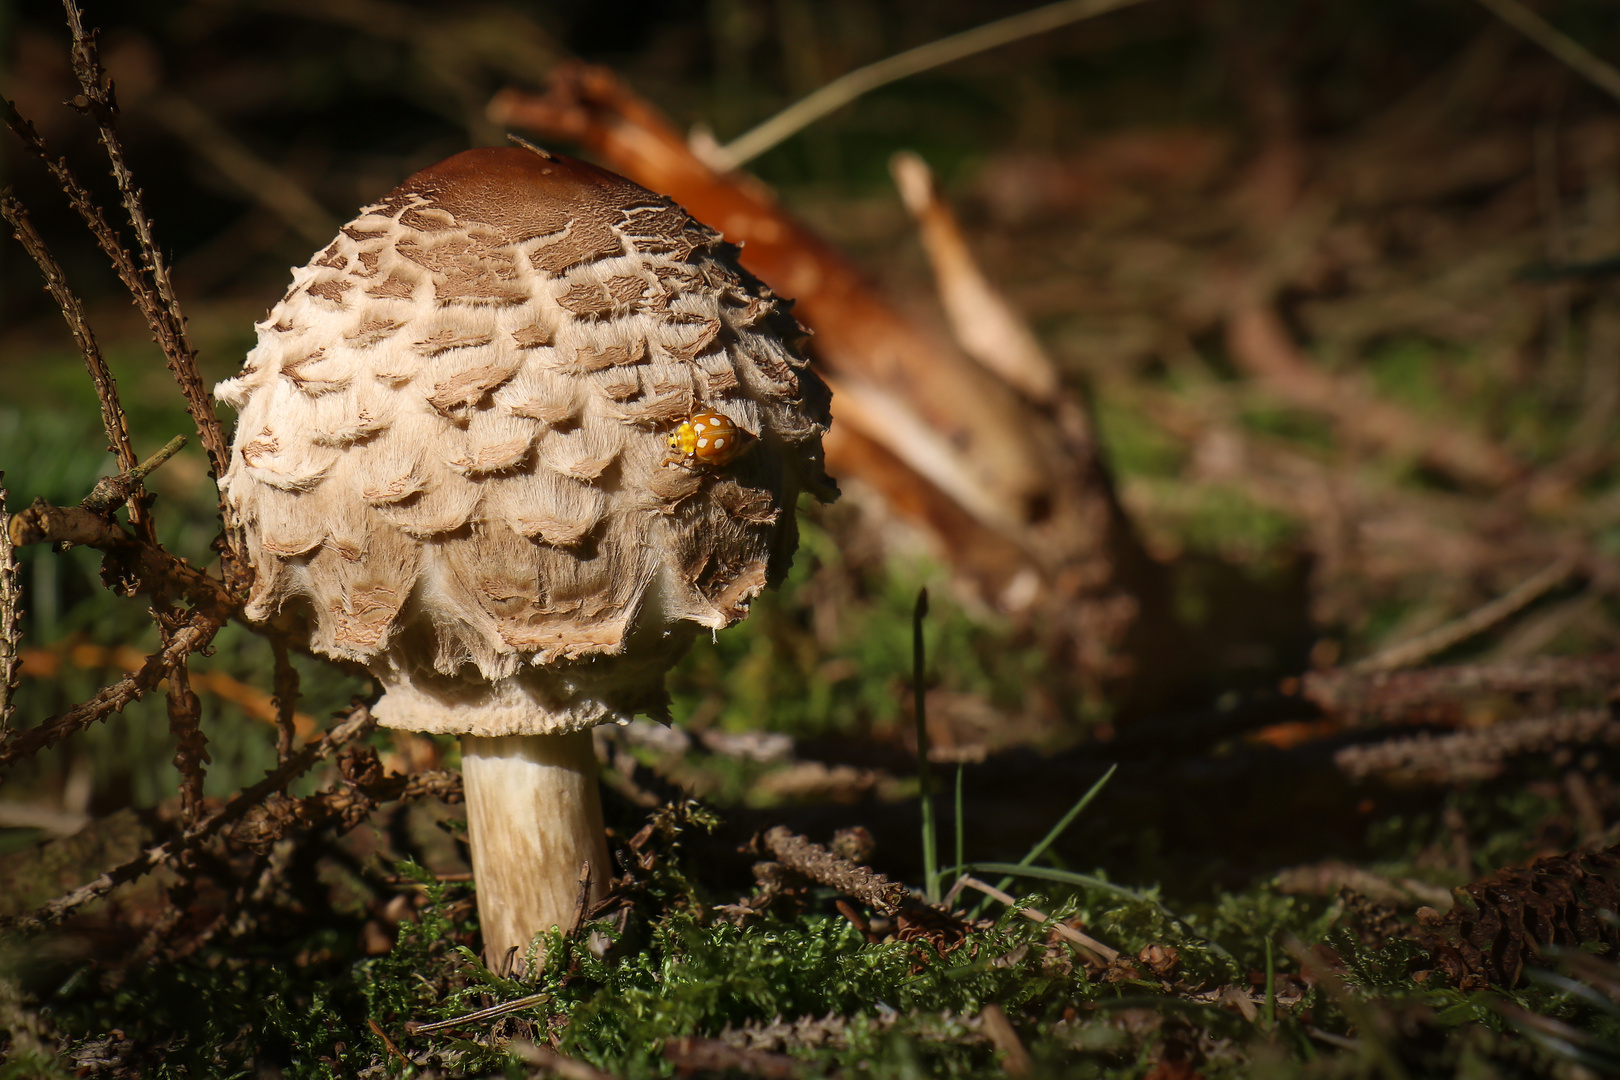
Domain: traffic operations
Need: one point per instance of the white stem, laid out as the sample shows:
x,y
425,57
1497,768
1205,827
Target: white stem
x,y
534,816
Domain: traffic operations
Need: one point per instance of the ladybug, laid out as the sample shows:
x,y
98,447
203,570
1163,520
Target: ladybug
x,y
707,440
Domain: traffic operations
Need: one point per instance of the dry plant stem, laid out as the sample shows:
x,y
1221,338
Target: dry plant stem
x,y
1085,941
1411,653
113,419
851,85
193,636
1475,755
357,724
534,817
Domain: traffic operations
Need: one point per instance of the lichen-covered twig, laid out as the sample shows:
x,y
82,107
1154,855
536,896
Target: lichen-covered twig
x,y
357,724
194,635
1476,755
10,622
823,867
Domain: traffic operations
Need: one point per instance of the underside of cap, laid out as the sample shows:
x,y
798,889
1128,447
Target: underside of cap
x,y
450,457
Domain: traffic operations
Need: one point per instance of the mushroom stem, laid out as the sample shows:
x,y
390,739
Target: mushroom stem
x,y
534,816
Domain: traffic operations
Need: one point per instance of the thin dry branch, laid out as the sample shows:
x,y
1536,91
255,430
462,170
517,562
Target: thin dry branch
x,y
1411,653
822,866
358,723
193,636
113,419
45,663
98,100
143,567
10,622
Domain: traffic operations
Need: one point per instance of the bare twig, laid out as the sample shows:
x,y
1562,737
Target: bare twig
x,y
10,622
1085,941
113,419
357,724
112,490
1589,67
197,632
851,85
693,1055
145,568
582,903
820,865
1411,653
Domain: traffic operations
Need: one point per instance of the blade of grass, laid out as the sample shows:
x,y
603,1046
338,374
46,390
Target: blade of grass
x,y
1053,833
925,770
959,857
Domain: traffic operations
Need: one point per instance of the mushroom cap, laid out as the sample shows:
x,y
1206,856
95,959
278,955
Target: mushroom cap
x,y
450,456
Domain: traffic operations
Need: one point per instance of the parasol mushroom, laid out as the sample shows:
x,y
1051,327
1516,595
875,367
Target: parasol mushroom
x,y
453,464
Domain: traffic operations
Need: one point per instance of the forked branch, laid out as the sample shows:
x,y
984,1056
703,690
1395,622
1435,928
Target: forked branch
x,y
193,636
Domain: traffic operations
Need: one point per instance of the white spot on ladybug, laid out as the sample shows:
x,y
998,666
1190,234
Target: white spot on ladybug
x,y
718,443
703,442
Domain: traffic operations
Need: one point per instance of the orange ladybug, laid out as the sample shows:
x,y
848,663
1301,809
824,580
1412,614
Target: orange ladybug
x,y
707,440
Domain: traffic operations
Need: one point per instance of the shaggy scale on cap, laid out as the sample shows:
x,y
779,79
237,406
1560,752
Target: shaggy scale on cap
x,y
451,450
